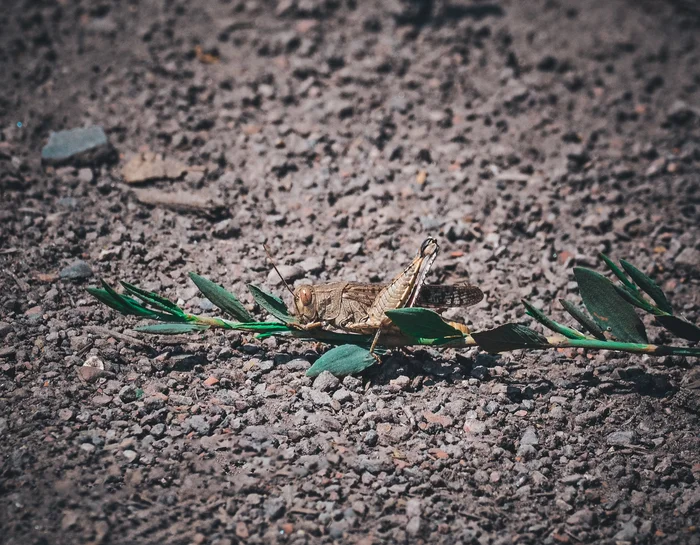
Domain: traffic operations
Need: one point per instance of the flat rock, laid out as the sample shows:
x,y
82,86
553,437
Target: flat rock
x,y
90,374
621,438
288,272
198,424
81,146
326,381
181,201
77,270
529,437
689,257
148,166
5,329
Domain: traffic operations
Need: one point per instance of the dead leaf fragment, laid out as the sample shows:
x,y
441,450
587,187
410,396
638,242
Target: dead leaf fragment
x,y
211,381
147,166
182,201
206,58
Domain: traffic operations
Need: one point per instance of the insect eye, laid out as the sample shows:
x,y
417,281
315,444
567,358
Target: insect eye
x,y
426,244
305,296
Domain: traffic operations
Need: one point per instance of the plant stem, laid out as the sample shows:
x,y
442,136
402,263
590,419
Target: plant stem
x,y
636,348
395,339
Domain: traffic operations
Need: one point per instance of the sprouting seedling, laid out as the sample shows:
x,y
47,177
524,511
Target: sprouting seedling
x,y
350,304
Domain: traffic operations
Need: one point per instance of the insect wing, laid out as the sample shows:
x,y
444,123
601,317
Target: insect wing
x,y
462,294
457,295
362,293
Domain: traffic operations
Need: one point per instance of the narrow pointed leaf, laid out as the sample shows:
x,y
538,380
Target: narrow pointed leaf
x,y
582,318
347,359
635,299
171,328
680,327
126,305
272,304
422,323
617,271
221,298
153,299
609,310
509,337
546,321
103,296
649,287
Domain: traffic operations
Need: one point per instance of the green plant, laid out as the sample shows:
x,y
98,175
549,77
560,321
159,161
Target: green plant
x,y
613,323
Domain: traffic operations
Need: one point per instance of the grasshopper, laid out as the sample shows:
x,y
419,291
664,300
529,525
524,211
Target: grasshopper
x,y
360,307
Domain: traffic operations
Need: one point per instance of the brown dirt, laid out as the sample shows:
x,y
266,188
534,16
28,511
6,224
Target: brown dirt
x,y
527,136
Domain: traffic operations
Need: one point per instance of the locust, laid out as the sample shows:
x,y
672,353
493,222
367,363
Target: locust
x,y
360,307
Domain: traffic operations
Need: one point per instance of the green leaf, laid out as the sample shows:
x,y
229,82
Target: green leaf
x,y
171,328
546,321
509,337
153,299
618,272
124,304
649,287
105,297
582,318
609,310
680,327
635,299
347,359
263,327
223,299
272,304
422,323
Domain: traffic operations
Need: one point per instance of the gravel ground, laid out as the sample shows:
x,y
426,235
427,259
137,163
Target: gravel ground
x,y
526,136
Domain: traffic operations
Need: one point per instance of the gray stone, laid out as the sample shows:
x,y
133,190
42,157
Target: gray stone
x,y
584,517
288,272
226,229
275,507
413,526
627,532
79,146
312,264
529,437
479,372
5,329
158,430
689,257
326,381
319,398
68,202
342,395
88,447
178,399
621,438
474,426
128,393
371,438
413,508
527,452
198,424
85,175
130,455
76,271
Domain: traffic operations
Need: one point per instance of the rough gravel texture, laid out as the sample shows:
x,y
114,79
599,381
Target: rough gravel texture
x,y
527,136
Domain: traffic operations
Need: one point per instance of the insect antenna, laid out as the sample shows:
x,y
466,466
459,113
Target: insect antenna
x,y
272,261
